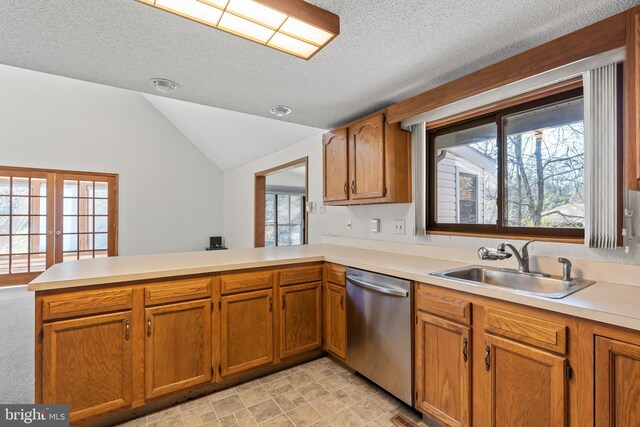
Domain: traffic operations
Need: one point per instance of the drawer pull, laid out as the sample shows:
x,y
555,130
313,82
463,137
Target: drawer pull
x,y
465,343
283,301
148,326
270,304
126,330
487,358
342,302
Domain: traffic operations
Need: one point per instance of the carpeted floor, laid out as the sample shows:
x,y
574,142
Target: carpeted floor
x,y
16,345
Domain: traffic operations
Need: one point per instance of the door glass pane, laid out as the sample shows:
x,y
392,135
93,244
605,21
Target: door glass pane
x,y
20,186
19,264
19,244
38,187
101,224
20,225
70,207
100,241
37,262
5,205
85,224
86,242
5,245
102,190
85,255
20,206
38,206
70,256
70,189
468,152
86,207
102,207
4,225
70,224
545,167
86,189
4,264
38,243
100,254
5,185
70,242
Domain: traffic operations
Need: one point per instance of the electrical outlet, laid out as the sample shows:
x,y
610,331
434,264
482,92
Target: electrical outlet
x,y
374,225
322,209
398,226
349,224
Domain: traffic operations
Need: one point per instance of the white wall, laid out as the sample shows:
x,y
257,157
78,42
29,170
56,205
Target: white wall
x,y
170,193
287,178
239,210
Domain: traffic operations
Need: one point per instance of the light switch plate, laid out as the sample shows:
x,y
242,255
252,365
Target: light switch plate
x,y
398,226
375,225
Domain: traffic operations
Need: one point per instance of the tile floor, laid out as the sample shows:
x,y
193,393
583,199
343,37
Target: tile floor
x,y
319,393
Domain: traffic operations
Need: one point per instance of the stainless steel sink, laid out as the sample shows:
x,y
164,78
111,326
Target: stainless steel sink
x,y
515,281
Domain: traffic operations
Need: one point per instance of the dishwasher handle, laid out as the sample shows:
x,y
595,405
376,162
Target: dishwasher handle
x,y
378,288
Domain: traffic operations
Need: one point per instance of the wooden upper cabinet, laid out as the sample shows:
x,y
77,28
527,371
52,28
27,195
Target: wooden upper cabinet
x,y
300,319
246,331
632,99
335,166
336,320
443,370
528,386
367,159
88,364
376,157
617,383
178,348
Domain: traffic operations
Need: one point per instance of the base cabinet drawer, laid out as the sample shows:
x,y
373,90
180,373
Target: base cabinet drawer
x,y
247,331
88,364
178,347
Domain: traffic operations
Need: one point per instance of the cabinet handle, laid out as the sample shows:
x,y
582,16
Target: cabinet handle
x,y
342,302
148,326
487,358
465,343
345,187
127,325
353,186
270,304
283,301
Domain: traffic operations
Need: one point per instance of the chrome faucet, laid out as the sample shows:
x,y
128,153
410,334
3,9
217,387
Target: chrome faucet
x,y
566,269
500,253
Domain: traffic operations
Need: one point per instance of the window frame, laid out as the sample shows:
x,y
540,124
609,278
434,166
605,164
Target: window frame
x,y
498,229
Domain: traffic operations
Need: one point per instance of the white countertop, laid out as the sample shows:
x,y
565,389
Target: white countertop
x,y
605,302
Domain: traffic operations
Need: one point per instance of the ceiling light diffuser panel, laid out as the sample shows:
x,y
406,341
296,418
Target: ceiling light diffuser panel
x,y
292,26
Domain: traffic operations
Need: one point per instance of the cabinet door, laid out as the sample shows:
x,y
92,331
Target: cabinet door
x,y
178,349
87,363
301,318
247,331
617,383
336,320
335,166
367,158
528,386
443,370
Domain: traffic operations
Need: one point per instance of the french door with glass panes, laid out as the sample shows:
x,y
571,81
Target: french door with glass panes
x,y
48,217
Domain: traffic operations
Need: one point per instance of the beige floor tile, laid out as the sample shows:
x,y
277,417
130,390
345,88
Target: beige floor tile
x,y
244,418
228,405
247,385
205,408
209,418
367,409
333,383
312,391
194,403
254,396
280,421
282,389
222,394
161,415
191,418
299,379
304,416
170,421
345,418
275,383
265,410
328,405
321,423
229,421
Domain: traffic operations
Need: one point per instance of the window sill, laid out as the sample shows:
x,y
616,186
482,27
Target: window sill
x,y
573,240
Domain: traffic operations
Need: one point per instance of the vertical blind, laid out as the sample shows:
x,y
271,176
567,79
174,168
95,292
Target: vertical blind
x,y
601,157
419,144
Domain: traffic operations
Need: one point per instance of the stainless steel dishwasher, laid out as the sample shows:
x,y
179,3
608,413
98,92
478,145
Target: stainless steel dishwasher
x,y
379,330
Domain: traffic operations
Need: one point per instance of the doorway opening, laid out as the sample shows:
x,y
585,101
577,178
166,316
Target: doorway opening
x,y
280,205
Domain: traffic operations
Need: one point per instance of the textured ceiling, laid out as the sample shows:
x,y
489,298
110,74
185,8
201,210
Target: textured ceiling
x,y
388,50
228,138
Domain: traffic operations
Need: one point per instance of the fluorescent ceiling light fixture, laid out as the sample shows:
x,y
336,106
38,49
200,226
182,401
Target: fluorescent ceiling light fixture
x,y
292,26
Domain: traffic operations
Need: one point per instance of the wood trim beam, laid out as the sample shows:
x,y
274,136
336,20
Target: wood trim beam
x,y
596,38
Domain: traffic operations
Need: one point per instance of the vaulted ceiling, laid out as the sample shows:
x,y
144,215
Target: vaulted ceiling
x,y
387,51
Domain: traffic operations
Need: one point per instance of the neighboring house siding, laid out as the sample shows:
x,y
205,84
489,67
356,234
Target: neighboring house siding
x,y
448,170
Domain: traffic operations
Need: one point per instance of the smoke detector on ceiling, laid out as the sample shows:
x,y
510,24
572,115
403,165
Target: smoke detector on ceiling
x,y
163,85
280,110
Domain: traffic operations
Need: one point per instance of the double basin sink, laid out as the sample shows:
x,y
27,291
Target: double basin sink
x,y
516,281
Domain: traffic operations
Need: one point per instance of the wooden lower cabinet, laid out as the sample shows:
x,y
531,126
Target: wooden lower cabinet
x,y
88,364
617,381
336,320
443,370
178,348
246,331
528,386
300,319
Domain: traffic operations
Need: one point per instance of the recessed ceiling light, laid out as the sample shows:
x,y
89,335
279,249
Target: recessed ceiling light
x,y
163,85
292,26
280,110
